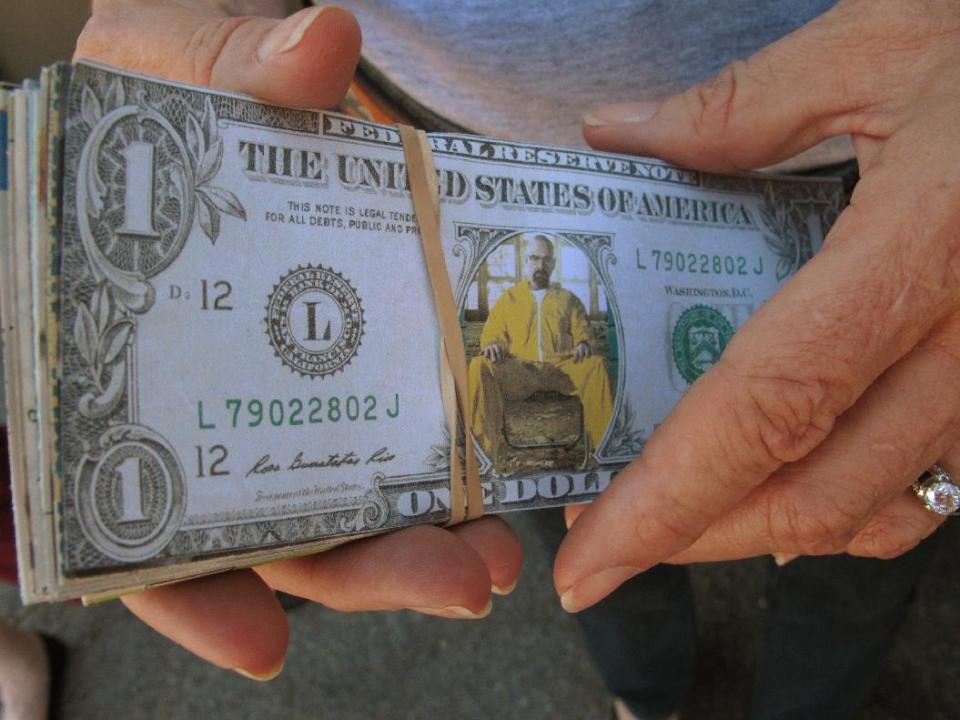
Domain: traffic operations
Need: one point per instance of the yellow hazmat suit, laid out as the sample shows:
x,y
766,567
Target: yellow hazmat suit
x,y
538,341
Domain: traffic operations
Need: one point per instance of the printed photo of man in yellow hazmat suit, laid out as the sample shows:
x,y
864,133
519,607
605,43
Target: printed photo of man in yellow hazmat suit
x,y
538,339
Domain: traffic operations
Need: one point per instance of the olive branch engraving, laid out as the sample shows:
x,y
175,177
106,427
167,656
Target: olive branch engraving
x,y
101,340
205,152
439,457
781,235
625,438
92,112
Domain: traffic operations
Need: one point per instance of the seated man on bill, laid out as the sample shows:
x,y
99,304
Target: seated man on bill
x,y
537,338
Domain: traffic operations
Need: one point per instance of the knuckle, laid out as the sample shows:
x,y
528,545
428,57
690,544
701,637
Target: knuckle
x,y
716,99
887,536
883,541
876,542
778,419
714,104
207,44
809,530
675,523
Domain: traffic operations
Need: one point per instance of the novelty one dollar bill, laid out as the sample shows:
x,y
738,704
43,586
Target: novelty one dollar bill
x,y
221,341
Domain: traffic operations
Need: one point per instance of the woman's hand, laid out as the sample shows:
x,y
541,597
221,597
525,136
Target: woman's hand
x,y
233,619
840,390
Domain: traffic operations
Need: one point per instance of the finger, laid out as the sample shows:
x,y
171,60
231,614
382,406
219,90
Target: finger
x,y
499,548
773,397
898,428
904,522
812,84
306,60
424,568
899,526
232,620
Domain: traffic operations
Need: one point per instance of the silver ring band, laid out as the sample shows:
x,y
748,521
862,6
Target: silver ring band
x,y
938,492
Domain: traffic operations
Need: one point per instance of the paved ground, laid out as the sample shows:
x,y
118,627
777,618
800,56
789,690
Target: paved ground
x,y
526,661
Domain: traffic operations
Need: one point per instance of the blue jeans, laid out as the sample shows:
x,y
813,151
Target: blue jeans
x,y
830,623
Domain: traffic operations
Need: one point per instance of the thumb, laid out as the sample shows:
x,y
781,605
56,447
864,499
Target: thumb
x,y
756,112
305,60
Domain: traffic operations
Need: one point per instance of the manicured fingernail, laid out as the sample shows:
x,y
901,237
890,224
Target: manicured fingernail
x,y
261,677
456,612
782,559
288,34
595,587
621,114
504,590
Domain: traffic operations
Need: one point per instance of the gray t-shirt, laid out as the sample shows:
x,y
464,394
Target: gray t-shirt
x,y
529,70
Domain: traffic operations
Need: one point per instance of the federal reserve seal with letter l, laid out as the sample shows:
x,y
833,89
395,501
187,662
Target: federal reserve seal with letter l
x,y
699,337
314,320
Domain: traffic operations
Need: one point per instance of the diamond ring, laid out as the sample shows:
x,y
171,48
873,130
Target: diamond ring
x,y
937,491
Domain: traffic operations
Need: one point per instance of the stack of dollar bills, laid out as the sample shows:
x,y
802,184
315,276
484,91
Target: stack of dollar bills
x,y
221,346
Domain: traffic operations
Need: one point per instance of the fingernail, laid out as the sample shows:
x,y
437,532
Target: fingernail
x,y
595,587
261,677
456,612
621,114
288,34
504,590
782,559
572,513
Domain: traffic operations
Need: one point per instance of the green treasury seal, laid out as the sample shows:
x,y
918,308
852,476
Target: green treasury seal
x,y
314,320
699,338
